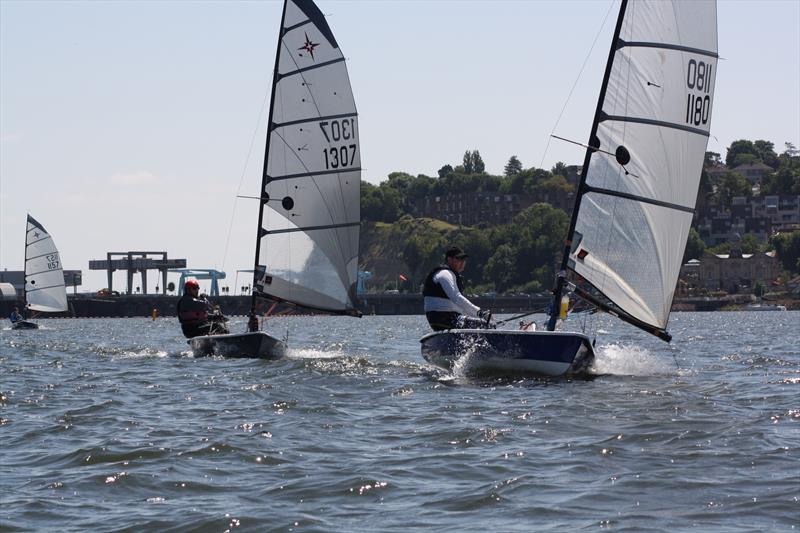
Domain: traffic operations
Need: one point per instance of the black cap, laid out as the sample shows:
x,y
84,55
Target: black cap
x,y
455,251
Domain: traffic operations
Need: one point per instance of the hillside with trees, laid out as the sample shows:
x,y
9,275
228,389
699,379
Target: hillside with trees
x,y
520,256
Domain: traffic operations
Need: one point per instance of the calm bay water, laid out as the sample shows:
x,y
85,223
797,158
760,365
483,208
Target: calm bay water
x,y
110,425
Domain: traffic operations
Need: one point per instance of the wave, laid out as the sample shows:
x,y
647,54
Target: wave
x,y
627,360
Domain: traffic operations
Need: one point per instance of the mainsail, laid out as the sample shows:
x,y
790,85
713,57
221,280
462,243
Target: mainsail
x,y
307,247
44,277
641,174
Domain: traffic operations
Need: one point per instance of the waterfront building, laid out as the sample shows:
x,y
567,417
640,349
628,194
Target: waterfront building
x,y
735,272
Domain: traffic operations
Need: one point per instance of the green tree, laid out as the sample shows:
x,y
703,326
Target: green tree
x,y
467,163
552,184
419,188
559,169
445,170
787,248
513,167
695,246
477,162
538,234
502,268
712,159
736,149
766,153
750,244
380,204
730,185
786,179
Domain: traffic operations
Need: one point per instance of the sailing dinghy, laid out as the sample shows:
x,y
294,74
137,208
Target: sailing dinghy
x,y
306,252
45,290
636,197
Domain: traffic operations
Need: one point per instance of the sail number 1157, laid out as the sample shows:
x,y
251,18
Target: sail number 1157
x,y
52,262
698,100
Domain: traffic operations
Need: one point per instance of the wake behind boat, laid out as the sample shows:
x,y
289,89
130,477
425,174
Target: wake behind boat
x,y
306,252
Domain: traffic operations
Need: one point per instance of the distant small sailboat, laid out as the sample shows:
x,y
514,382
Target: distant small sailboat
x,y
45,289
309,217
636,196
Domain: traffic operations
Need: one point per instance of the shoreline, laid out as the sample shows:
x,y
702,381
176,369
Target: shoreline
x,y
88,305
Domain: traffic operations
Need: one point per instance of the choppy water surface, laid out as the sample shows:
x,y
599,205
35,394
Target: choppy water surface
x,y
110,425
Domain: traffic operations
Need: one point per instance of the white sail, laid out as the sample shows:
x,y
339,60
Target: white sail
x,y
44,277
308,250
637,199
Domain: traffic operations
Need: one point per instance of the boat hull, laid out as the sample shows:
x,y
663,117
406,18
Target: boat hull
x,y
543,353
24,324
253,345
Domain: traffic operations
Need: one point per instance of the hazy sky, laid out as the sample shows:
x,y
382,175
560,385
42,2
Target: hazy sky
x,y
133,125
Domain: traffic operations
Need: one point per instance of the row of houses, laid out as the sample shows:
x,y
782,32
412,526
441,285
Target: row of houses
x,y
762,216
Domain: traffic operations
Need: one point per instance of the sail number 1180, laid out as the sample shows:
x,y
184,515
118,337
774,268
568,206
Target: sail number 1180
x,y
698,78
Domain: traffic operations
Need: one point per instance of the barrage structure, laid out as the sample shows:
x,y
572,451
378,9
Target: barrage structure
x,y
137,262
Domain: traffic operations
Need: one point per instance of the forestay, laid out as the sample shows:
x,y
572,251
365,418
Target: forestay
x,y
44,277
310,214
638,192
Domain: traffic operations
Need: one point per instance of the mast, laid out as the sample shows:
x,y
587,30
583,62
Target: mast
x,y
562,272
264,176
25,268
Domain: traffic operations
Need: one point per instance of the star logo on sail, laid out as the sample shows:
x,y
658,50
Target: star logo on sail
x,y
309,46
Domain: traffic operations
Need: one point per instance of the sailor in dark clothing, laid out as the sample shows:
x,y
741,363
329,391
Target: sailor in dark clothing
x,y
196,315
16,316
445,306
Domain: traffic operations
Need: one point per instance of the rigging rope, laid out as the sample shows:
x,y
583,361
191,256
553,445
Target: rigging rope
x,y
241,178
577,79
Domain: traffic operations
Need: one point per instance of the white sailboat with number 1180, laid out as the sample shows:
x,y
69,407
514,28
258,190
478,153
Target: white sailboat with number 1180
x,y
636,196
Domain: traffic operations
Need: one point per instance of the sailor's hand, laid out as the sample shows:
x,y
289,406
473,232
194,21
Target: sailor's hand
x,y
485,314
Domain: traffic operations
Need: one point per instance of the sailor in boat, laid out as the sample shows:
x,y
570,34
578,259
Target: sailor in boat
x,y
445,306
16,316
196,314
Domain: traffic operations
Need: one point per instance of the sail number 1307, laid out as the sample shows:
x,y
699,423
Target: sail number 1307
x,y
698,78
336,131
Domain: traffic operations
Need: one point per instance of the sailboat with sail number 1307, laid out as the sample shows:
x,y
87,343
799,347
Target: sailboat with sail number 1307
x,y
635,200
309,215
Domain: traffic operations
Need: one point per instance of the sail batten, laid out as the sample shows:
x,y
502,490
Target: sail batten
x,y
652,122
310,228
307,174
313,119
668,46
642,171
642,199
312,67
309,220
